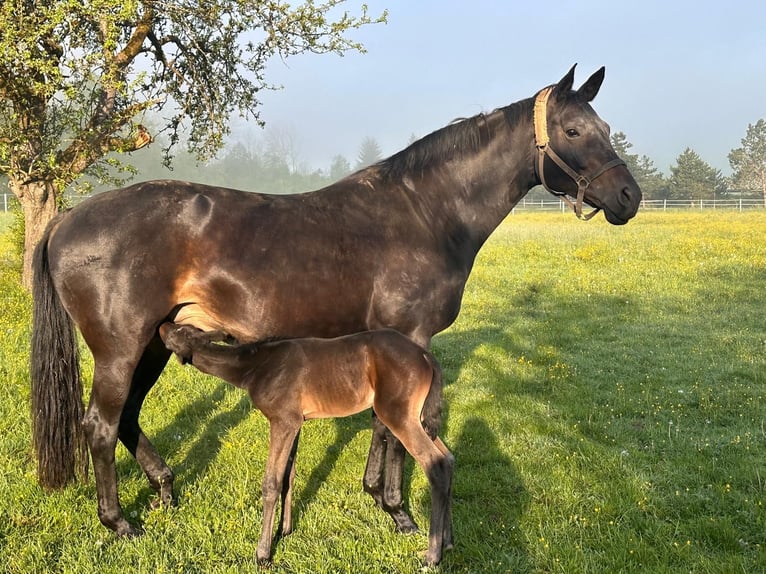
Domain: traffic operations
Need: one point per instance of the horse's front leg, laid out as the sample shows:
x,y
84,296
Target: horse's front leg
x,y
157,471
383,475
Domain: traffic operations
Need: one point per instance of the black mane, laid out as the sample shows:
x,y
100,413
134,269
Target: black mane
x,y
464,136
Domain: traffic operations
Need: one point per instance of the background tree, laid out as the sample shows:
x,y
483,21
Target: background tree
x,y
369,153
749,161
239,168
76,78
652,182
694,179
339,168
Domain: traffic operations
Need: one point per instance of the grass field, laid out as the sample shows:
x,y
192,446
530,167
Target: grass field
x,y
605,397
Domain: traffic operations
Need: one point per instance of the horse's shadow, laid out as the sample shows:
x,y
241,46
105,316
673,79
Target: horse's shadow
x,y
489,499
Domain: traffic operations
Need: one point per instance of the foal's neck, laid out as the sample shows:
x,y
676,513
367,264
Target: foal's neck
x,y
232,363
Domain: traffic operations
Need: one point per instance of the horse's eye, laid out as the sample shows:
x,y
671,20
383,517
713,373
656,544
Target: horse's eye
x,y
572,133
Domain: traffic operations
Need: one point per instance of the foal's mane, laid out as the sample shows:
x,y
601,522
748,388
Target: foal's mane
x,y
463,137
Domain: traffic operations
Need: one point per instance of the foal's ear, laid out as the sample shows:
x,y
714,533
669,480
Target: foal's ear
x,y
590,88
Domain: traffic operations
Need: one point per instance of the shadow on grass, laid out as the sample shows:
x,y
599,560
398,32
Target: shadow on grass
x,y
489,499
205,448
490,496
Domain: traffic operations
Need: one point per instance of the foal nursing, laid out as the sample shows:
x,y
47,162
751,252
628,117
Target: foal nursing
x,y
292,380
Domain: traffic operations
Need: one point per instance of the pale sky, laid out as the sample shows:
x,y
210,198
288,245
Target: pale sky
x,y
678,73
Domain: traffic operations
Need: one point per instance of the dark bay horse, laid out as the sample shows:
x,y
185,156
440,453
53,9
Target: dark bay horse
x,y
391,245
291,380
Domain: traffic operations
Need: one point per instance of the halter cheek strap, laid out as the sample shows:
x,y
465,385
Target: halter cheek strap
x,y
542,142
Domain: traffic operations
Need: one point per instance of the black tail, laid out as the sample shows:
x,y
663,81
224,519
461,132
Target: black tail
x,y
57,407
432,407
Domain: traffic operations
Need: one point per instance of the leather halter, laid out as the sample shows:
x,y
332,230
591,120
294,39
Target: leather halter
x,y
542,142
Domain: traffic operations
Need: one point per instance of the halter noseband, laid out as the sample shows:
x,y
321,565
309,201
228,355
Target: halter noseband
x,y
542,141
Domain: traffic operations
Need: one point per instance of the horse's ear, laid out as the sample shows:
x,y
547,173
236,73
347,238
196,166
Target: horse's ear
x,y
590,88
565,83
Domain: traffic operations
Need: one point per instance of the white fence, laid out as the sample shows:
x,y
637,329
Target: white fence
x,y
655,204
6,203
702,204
556,205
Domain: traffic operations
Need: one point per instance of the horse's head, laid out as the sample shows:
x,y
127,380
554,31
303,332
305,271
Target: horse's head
x,y
574,155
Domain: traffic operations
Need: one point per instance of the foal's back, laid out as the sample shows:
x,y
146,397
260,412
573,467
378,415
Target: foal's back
x,y
314,377
340,376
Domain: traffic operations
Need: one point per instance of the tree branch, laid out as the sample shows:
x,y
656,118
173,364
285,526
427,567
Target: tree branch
x,y
90,146
143,28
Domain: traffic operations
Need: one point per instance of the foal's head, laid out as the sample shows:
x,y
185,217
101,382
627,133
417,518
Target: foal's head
x,y
183,339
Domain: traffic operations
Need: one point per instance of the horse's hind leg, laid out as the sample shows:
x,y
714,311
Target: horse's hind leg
x,y
157,471
376,460
101,425
383,475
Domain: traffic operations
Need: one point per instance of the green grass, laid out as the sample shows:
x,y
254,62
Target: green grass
x,y
605,403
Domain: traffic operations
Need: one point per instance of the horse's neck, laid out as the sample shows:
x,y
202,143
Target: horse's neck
x,y
471,195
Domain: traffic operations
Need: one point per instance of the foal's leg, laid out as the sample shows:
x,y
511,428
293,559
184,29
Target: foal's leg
x,y
101,423
389,468
383,475
160,475
282,436
286,524
437,463
447,540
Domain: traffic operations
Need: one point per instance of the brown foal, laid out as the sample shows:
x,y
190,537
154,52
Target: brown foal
x,y
293,380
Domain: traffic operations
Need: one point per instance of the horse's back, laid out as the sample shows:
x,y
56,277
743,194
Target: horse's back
x,y
255,265
338,260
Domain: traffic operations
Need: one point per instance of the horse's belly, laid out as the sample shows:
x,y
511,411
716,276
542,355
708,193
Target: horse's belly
x,y
196,316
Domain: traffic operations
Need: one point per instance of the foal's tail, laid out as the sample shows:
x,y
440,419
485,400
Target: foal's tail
x,y
432,407
57,407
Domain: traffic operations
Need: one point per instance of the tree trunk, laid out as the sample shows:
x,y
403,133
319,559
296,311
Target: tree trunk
x,y
38,202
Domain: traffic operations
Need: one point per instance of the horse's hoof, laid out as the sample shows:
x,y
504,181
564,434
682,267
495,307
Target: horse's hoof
x,y
408,529
128,531
404,523
163,502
